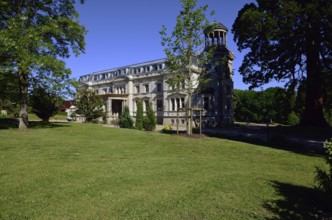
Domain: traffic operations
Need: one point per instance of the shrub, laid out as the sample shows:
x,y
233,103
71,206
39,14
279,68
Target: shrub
x,y
139,115
90,105
293,119
167,128
324,178
125,120
149,121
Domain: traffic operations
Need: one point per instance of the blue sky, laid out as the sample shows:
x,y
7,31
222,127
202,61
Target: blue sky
x,y
124,32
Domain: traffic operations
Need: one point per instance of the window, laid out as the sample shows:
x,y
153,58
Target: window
x,y
146,104
172,104
159,87
183,103
137,89
146,86
159,104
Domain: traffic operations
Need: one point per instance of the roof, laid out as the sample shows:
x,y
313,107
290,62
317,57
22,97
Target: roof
x,y
218,25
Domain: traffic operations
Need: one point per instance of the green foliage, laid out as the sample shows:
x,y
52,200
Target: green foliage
x,y
139,115
149,121
293,119
35,37
323,177
167,127
274,103
90,105
125,120
45,103
270,30
181,47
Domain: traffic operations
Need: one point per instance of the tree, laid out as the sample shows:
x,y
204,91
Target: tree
x,y
139,115
90,105
125,120
288,40
274,103
9,93
149,121
35,37
181,47
45,103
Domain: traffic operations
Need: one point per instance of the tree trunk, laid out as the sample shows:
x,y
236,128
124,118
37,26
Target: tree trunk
x,y
189,109
23,84
314,102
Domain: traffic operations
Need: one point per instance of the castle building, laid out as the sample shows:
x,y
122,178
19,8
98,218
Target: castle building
x,y
147,81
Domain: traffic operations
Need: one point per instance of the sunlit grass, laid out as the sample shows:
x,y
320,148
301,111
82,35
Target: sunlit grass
x,y
86,171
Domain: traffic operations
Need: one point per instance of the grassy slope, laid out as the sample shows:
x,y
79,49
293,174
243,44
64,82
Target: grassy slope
x,y
87,171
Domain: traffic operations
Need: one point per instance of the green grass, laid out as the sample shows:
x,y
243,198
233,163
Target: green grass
x,y
59,116
87,171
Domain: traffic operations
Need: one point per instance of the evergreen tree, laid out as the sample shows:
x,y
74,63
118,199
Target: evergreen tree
x,y
90,105
139,115
149,121
125,120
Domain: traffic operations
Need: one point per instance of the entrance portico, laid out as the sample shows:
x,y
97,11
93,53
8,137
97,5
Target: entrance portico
x,y
114,106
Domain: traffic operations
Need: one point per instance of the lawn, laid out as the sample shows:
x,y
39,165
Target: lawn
x,y
87,171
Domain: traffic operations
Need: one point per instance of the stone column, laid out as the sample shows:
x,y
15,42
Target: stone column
x,y
130,100
108,110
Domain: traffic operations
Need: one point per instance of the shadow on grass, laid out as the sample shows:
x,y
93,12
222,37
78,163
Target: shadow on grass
x,y
8,123
298,202
276,140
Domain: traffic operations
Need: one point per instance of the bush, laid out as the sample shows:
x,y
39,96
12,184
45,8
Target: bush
x,y
324,178
293,119
139,115
167,128
125,120
149,121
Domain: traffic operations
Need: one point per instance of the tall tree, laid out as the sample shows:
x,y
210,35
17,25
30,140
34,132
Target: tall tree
x,y
181,47
35,37
288,40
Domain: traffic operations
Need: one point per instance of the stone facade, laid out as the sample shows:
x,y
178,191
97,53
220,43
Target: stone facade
x,y
147,81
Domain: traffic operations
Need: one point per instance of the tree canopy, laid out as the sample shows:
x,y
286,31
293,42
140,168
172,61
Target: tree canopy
x,y
181,48
288,40
35,37
45,103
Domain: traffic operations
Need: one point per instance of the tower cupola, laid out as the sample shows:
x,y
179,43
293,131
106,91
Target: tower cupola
x,y
215,35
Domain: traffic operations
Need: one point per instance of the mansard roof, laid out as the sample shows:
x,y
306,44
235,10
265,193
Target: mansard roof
x,y
142,64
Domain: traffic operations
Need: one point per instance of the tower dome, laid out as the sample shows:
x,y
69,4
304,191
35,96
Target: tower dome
x,y
215,34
